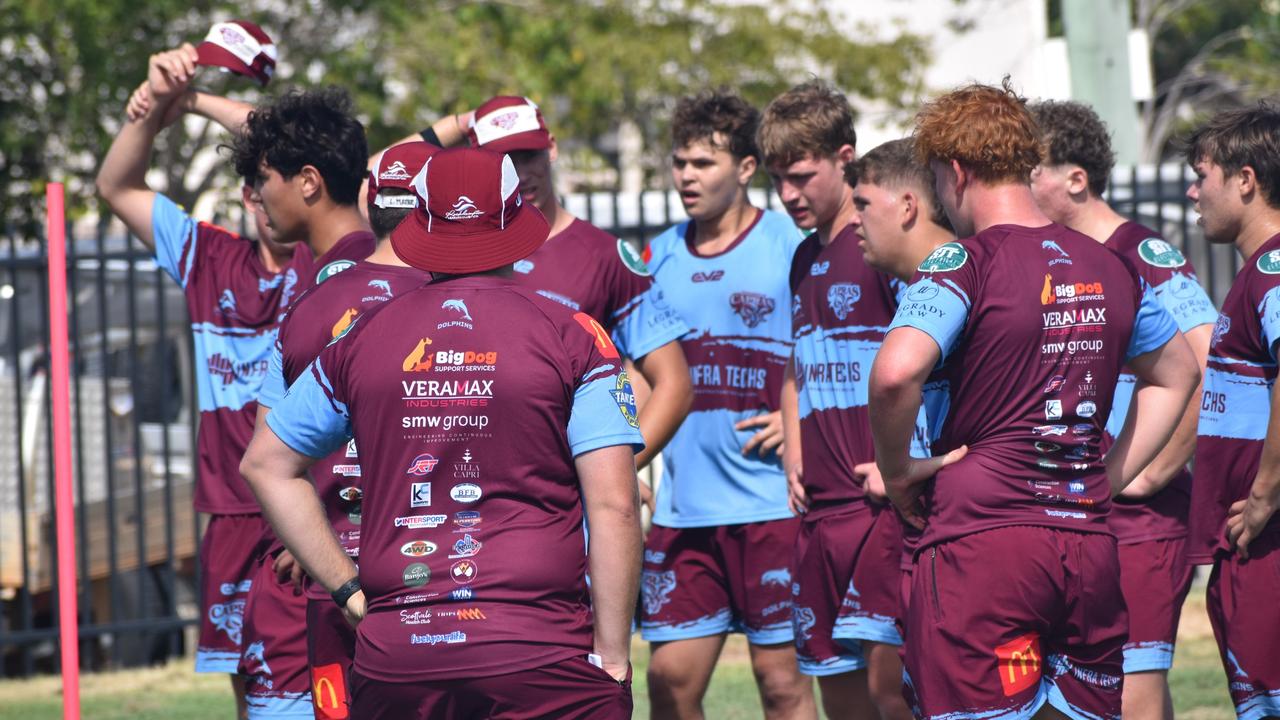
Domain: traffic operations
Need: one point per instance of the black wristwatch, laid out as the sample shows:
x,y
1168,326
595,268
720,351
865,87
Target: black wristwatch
x,y
344,593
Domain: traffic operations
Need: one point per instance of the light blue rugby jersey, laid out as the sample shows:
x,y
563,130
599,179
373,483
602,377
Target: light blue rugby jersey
x,y
738,303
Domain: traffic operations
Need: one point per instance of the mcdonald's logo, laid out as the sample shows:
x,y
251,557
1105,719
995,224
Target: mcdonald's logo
x,y
329,691
1020,664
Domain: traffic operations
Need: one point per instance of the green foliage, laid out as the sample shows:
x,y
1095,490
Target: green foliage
x,y
1206,57
68,67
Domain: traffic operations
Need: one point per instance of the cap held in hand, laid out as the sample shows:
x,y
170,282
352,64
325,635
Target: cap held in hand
x,y
241,47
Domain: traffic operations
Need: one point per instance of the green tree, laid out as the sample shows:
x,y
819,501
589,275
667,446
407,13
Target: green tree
x,y
1205,56
68,67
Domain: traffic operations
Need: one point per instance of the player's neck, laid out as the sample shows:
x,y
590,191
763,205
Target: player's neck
x,y
1004,204
383,254
328,225
557,217
1096,219
1256,231
713,235
273,262
827,231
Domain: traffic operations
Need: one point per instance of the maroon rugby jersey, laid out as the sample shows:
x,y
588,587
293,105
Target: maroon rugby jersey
x,y
587,269
469,398
1235,408
235,304
1034,325
841,308
323,313
1163,515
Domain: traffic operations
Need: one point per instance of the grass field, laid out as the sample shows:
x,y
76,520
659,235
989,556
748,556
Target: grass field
x,y
175,692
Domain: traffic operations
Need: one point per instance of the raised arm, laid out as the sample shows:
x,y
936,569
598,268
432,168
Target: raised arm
x,y
614,549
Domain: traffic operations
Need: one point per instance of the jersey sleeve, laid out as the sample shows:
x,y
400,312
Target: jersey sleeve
x,y
642,320
940,297
1152,328
273,385
176,236
1269,318
604,406
1175,284
311,419
647,323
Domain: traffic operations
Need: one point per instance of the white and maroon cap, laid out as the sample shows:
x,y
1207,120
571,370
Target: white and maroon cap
x,y
471,218
397,167
241,47
509,123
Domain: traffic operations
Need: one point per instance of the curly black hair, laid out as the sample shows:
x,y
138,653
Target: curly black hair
x,y
701,116
1073,133
315,127
1233,139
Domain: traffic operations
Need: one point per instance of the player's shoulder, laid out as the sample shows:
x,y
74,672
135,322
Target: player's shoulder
x,y
778,227
1262,272
665,244
604,248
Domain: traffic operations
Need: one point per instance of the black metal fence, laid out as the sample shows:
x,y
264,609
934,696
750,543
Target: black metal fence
x,y
134,422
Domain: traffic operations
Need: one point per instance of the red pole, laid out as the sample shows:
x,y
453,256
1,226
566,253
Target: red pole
x,y
59,384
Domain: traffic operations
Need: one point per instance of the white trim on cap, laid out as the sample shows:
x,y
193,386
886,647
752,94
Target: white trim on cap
x,y
377,169
525,120
419,184
247,50
510,183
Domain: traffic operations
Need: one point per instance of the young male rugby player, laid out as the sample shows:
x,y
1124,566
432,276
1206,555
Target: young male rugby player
x,y
717,558
1236,157
848,550
899,222
321,314
1026,482
471,594
589,270
236,290
1149,518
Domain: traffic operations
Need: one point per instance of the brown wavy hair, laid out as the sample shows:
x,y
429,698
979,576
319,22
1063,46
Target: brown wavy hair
x,y
1248,136
986,129
810,119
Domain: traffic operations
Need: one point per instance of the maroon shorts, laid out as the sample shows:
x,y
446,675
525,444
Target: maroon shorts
x,y
842,595
1242,607
1006,620
699,582
571,689
331,645
274,658
227,564
1155,577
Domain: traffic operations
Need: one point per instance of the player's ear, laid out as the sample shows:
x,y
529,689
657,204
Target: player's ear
x,y
552,151
1247,180
910,203
746,168
1077,180
846,154
311,182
